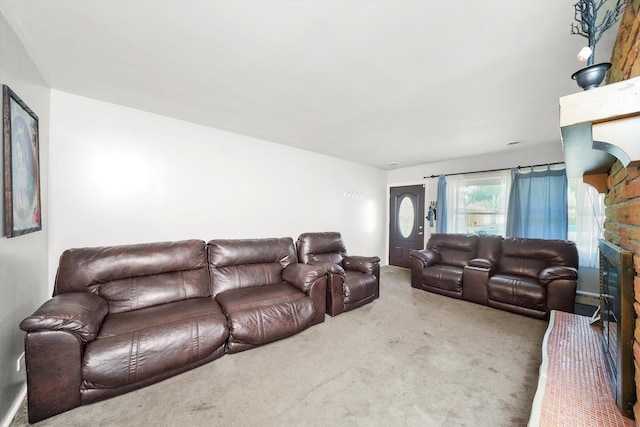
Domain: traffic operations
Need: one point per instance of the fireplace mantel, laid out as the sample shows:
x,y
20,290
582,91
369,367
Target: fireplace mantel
x,y
599,126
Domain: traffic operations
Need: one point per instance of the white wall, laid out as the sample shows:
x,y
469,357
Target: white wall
x,y
120,175
524,156
23,259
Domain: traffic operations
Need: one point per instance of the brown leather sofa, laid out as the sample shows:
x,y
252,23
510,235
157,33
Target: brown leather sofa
x,y
125,317
353,281
524,276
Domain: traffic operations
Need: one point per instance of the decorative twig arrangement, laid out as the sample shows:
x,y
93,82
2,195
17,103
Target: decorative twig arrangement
x,y
586,14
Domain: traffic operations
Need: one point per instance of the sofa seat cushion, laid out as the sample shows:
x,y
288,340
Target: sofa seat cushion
x,y
517,290
358,286
138,345
443,276
261,314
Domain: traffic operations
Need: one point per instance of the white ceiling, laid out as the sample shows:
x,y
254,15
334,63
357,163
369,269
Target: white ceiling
x,y
373,82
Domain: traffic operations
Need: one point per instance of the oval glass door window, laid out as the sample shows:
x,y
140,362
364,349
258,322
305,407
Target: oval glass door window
x,y
406,217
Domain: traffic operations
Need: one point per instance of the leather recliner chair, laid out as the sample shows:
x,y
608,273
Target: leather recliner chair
x,y
121,318
353,281
440,267
534,276
262,289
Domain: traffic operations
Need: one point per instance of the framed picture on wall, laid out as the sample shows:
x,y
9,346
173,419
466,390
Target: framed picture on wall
x,y
22,209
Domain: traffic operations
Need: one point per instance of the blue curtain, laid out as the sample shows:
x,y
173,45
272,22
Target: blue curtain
x,y
441,205
538,205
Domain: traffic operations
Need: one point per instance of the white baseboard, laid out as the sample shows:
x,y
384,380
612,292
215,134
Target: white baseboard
x,y
6,422
588,294
588,298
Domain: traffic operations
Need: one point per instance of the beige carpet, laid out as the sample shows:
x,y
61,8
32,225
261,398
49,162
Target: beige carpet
x,y
411,358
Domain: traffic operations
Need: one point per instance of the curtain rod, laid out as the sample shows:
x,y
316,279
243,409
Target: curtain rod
x,y
496,170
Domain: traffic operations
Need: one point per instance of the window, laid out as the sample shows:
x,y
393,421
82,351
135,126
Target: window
x,y
477,203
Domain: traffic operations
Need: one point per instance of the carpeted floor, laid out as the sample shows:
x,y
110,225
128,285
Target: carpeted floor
x,y
411,358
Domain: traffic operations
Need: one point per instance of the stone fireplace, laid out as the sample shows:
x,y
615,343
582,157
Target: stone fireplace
x,y
622,227
617,322
601,142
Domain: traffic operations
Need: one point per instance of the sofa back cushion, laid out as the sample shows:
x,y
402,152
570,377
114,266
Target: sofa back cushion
x,y
235,264
489,247
131,277
454,249
322,247
528,257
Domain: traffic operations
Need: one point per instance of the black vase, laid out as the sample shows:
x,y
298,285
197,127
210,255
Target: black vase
x,y
592,76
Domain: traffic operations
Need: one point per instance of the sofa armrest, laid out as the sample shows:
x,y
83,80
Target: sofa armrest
x,y
474,279
331,268
550,274
79,313
482,263
363,264
303,276
426,256
54,372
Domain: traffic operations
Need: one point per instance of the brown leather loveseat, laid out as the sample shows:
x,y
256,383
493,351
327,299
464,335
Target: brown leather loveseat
x,y
124,317
524,276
